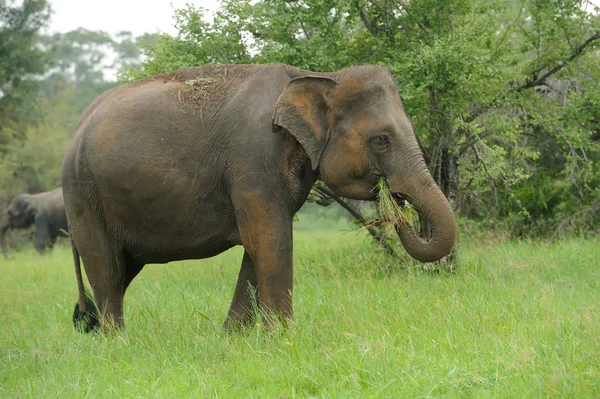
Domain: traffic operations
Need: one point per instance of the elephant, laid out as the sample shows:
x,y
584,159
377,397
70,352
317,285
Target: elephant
x,y
46,210
187,164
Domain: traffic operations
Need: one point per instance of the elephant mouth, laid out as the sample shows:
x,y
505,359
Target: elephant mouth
x,y
399,199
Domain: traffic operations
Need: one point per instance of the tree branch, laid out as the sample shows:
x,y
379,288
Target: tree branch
x,y
472,140
304,29
368,24
300,21
480,160
535,80
384,10
577,52
377,235
259,35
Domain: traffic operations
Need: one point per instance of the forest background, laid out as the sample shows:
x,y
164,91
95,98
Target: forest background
x,y
504,95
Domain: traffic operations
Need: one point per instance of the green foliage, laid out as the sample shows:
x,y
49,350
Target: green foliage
x,y
33,164
20,59
503,94
79,62
197,43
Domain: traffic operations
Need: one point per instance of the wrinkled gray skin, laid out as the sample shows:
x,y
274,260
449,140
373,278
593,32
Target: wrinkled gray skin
x,y
44,210
188,164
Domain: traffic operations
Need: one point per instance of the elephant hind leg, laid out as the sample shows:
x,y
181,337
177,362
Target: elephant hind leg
x,y
110,297
107,275
108,269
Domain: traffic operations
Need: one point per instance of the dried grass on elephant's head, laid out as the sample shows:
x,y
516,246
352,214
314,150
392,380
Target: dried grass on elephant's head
x,y
389,209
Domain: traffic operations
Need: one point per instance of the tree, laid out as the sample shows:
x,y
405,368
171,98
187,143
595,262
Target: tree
x,y
20,60
197,43
478,78
78,68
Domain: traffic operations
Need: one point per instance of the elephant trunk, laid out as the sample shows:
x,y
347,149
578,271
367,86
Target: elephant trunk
x,y
4,226
426,197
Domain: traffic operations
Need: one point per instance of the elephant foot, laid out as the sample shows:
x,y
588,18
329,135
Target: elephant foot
x,y
266,321
273,322
88,321
239,323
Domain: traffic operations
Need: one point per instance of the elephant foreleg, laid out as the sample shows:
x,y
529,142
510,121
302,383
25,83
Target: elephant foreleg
x,y
43,237
242,310
4,226
266,234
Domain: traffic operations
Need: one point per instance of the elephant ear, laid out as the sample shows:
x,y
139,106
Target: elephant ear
x,y
302,110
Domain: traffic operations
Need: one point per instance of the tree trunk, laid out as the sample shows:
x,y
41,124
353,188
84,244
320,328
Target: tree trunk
x,y
447,177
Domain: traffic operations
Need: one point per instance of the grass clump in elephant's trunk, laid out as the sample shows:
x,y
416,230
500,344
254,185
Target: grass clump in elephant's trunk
x,y
401,214
389,209
432,205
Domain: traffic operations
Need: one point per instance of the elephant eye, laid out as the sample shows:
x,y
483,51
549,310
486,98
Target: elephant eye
x,y
380,143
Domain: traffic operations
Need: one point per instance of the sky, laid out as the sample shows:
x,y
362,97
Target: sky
x,y
112,16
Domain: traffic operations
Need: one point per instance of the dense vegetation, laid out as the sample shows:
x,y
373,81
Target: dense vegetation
x,y
504,94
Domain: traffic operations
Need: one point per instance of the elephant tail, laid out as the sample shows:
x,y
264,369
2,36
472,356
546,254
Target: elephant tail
x,y
85,314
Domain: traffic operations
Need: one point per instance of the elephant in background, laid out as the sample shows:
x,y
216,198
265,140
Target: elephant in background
x,y
46,210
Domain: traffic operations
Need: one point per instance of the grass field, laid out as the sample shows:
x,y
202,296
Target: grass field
x,y
514,320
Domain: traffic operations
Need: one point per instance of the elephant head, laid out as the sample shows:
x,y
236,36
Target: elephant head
x,y
20,214
354,129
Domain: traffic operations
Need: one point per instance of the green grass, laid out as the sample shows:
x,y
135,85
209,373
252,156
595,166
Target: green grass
x,y
514,320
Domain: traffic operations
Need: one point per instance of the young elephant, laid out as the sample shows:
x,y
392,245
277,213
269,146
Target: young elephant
x,y
187,164
46,210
